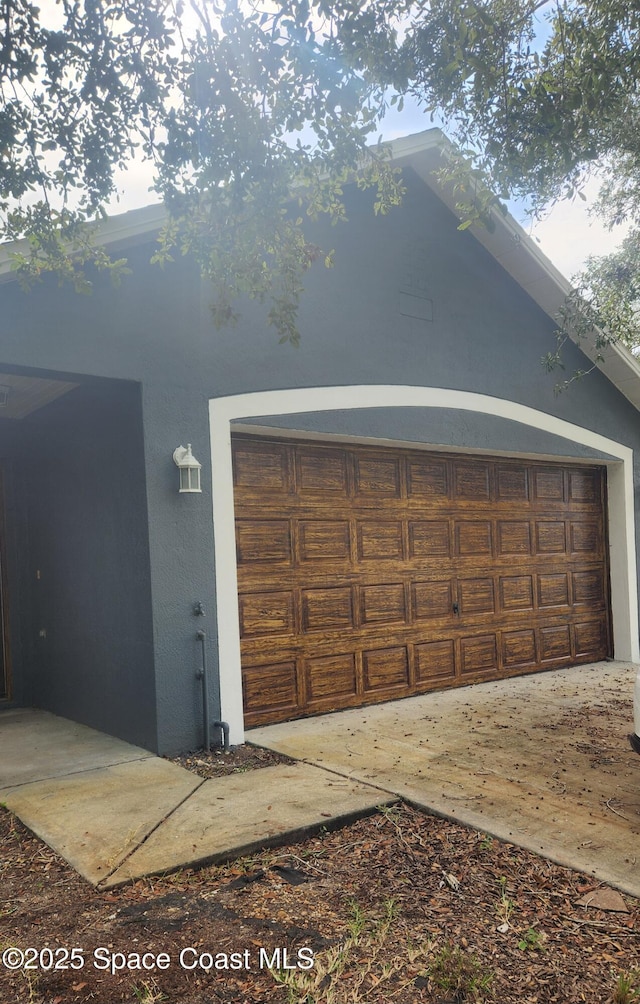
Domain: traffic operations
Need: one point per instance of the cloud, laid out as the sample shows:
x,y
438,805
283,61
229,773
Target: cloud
x,y
568,234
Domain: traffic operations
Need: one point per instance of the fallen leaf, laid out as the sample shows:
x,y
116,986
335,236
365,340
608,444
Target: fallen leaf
x,y
604,898
451,881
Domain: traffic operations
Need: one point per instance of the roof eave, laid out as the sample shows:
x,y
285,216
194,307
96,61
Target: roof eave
x,y
507,242
518,255
122,230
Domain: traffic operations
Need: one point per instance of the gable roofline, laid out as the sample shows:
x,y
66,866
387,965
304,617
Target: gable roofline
x,y
508,243
127,228
517,253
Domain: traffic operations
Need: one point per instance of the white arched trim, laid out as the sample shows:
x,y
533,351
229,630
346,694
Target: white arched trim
x,y
224,411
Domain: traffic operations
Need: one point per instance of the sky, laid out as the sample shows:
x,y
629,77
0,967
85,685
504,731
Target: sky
x,y
568,235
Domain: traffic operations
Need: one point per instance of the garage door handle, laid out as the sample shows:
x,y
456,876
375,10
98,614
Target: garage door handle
x,y
456,608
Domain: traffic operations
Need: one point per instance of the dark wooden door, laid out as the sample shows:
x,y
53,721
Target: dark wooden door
x,y
370,574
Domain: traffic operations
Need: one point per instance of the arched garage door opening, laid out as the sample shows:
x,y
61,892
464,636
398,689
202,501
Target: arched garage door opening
x,y
366,573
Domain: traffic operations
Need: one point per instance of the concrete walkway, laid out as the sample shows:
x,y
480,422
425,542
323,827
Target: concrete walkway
x,y
116,812
541,761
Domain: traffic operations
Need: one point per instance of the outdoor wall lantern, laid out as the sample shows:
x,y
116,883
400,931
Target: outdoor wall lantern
x,y
189,469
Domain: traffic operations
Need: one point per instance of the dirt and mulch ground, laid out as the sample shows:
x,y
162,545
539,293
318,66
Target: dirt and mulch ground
x,y
237,760
400,907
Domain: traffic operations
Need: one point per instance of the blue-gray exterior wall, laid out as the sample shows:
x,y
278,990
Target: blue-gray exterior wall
x,y
90,654
424,427
16,550
485,334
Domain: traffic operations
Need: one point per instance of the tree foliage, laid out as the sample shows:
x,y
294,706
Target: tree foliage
x,y
539,96
541,92
80,89
245,107
541,118
251,124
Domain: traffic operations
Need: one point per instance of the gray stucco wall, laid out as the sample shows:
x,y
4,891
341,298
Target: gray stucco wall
x,y
16,550
484,334
438,427
88,563
182,562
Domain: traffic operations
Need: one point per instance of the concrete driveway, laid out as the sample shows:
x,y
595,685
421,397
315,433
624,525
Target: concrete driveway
x,y
541,761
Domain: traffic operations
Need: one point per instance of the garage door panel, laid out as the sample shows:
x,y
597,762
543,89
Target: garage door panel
x,y
476,596
478,654
432,599
553,590
591,639
435,662
263,540
331,678
473,537
266,614
327,609
512,484
385,668
377,476
513,538
548,484
471,481
262,466
323,540
379,541
270,690
427,479
585,538
320,472
584,486
588,587
516,592
366,574
551,537
555,643
429,538
383,603
518,648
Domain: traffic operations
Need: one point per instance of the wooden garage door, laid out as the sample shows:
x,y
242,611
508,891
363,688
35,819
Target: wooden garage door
x,y
370,574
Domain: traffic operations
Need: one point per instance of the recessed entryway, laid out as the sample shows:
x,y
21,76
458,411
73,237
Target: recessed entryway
x,y
21,395
5,664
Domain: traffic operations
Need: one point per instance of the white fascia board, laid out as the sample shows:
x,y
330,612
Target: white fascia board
x,y
124,228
